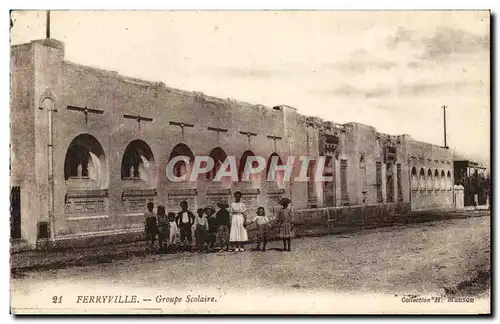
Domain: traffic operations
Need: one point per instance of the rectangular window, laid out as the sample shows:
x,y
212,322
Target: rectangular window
x,y
329,186
311,193
399,182
362,171
390,183
378,179
344,196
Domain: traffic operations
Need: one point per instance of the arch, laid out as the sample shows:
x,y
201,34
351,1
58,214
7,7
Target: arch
x,y
443,180
218,155
47,94
414,180
279,174
180,168
436,179
429,179
448,180
421,177
243,162
86,162
280,162
138,163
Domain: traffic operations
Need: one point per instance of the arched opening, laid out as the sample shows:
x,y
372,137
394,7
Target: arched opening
x,y
436,179
138,164
448,180
182,168
278,174
218,156
421,176
443,180
243,162
85,163
414,180
429,179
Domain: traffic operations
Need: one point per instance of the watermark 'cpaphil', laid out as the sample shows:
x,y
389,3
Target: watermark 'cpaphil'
x,y
183,168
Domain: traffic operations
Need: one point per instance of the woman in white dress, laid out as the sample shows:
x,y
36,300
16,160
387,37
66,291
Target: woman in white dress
x,y
238,234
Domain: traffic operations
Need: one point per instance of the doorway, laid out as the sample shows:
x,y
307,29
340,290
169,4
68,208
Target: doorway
x,y
15,212
390,183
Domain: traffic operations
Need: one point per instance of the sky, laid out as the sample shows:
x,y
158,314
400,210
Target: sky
x,y
392,70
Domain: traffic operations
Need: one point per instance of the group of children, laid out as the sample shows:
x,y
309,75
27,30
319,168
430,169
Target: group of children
x,y
210,229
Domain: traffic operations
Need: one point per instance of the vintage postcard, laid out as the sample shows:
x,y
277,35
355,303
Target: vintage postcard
x,y
250,162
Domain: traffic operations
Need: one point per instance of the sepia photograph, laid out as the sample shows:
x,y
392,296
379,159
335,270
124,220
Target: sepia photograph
x,y
181,162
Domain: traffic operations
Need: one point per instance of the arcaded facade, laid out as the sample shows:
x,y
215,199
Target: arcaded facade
x,y
89,149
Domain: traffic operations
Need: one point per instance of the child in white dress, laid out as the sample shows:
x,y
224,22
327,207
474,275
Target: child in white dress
x,y
238,234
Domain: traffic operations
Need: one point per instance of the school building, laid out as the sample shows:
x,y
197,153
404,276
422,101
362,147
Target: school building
x,y
89,149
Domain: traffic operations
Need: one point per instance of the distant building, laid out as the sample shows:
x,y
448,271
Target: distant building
x,y
89,150
475,180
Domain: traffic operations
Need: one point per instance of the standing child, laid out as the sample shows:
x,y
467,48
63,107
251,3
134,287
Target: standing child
x,y
238,234
212,226
185,220
162,228
173,233
285,219
223,219
201,224
150,225
263,225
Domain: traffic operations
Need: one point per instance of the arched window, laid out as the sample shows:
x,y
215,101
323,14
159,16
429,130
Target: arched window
x,y
218,156
422,178
414,181
443,180
138,163
448,180
85,163
243,162
180,167
278,174
429,179
436,179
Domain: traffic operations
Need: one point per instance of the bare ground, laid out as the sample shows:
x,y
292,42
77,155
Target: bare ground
x,y
450,257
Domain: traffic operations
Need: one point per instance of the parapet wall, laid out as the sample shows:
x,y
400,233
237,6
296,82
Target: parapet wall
x,y
356,216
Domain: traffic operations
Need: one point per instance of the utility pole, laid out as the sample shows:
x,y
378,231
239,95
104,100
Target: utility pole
x,y
47,25
444,121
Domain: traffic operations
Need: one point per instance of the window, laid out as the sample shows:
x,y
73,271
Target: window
x,y
390,183
422,179
362,171
344,196
180,168
138,162
218,156
85,163
243,162
277,175
378,179
399,182
414,180
429,179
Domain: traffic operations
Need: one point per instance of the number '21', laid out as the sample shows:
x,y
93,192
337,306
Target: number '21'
x,y
56,299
